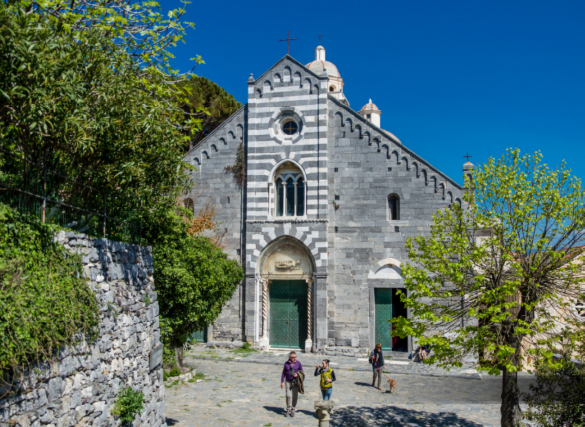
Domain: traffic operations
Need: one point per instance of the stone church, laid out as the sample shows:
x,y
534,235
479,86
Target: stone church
x,y
321,221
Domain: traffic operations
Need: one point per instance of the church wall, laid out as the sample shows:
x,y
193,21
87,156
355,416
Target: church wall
x,y
213,185
351,167
371,166
287,88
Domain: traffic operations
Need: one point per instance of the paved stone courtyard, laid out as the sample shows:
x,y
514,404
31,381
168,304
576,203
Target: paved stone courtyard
x,y
249,394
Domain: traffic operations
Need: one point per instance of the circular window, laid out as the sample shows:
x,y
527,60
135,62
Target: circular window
x,y
290,127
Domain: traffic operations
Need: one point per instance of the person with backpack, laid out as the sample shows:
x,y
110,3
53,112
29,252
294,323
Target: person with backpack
x,y
377,362
327,378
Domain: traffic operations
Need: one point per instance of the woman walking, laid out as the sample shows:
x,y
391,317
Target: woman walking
x,y
327,378
377,362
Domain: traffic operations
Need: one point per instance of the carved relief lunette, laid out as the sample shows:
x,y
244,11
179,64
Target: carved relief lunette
x,y
289,265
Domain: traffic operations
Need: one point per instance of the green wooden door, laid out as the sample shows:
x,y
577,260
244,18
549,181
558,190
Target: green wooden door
x,y
383,301
288,313
200,336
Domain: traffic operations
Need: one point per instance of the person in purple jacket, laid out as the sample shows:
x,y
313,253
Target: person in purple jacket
x,y
290,371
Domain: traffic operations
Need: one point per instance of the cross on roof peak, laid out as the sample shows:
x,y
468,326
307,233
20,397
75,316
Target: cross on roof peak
x,y
287,40
467,156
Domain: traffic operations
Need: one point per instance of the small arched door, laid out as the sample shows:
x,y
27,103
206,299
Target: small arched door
x,y
288,313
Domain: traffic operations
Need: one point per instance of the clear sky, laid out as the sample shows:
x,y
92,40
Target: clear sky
x,y
449,76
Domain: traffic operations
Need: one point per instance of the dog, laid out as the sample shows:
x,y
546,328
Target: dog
x,y
392,385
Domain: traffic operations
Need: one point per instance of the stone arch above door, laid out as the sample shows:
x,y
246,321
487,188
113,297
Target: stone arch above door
x,y
286,258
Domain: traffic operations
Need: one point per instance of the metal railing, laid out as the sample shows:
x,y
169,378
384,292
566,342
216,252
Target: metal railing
x,y
26,189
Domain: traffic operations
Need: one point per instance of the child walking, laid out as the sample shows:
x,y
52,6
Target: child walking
x,y
327,378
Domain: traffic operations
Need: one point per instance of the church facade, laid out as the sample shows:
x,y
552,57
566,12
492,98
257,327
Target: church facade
x,y
321,221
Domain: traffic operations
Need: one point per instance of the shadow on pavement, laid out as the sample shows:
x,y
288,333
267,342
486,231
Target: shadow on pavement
x,y
364,384
276,409
280,411
356,416
171,421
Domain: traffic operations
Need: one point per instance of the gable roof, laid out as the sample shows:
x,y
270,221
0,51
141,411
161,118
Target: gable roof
x,y
395,140
294,61
221,126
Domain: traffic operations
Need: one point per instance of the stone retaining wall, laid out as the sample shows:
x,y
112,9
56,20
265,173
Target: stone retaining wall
x,y
82,386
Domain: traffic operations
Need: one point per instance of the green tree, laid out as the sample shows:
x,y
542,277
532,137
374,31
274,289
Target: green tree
x,y
86,89
193,277
208,102
497,274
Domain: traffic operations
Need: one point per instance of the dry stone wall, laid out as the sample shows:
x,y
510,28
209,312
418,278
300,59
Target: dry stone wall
x,y
83,384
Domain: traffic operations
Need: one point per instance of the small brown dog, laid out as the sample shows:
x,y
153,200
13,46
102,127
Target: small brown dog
x,y
392,385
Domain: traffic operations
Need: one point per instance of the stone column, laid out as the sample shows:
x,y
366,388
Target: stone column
x,y
324,409
264,343
309,340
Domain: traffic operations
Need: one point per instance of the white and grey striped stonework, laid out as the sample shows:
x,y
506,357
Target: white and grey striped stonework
x,y
288,87
351,169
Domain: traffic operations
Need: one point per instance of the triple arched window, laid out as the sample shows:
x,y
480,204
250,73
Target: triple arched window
x,y
290,196
290,191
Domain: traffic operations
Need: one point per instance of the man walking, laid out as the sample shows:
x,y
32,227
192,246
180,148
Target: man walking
x,y
289,381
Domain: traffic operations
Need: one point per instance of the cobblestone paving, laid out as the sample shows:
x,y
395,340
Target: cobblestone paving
x,y
397,363
249,394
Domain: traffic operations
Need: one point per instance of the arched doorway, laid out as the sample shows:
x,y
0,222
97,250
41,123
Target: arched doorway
x,y
286,270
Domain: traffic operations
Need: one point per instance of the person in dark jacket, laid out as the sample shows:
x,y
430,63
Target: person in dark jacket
x,y
377,361
287,381
327,378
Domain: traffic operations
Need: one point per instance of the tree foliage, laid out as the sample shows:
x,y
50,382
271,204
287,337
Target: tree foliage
x,y
497,276
86,89
45,302
208,102
194,278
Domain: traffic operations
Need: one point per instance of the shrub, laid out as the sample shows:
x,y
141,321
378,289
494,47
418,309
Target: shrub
x,y
128,405
175,372
556,399
45,301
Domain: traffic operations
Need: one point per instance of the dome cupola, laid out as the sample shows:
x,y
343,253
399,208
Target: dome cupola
x,y
335,81
371,113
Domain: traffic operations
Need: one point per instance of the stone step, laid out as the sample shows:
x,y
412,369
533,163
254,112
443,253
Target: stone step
x,y
396,355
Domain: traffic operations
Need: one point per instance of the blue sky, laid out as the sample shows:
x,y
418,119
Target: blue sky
x,y
449,76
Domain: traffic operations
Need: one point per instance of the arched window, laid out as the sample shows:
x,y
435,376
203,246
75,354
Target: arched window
x,y
289,191
279,196
331,88
300,197
393,207
290,197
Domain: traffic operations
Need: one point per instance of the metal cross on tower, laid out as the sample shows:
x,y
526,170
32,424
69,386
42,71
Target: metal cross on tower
x,y
467,156
287,40
320,35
